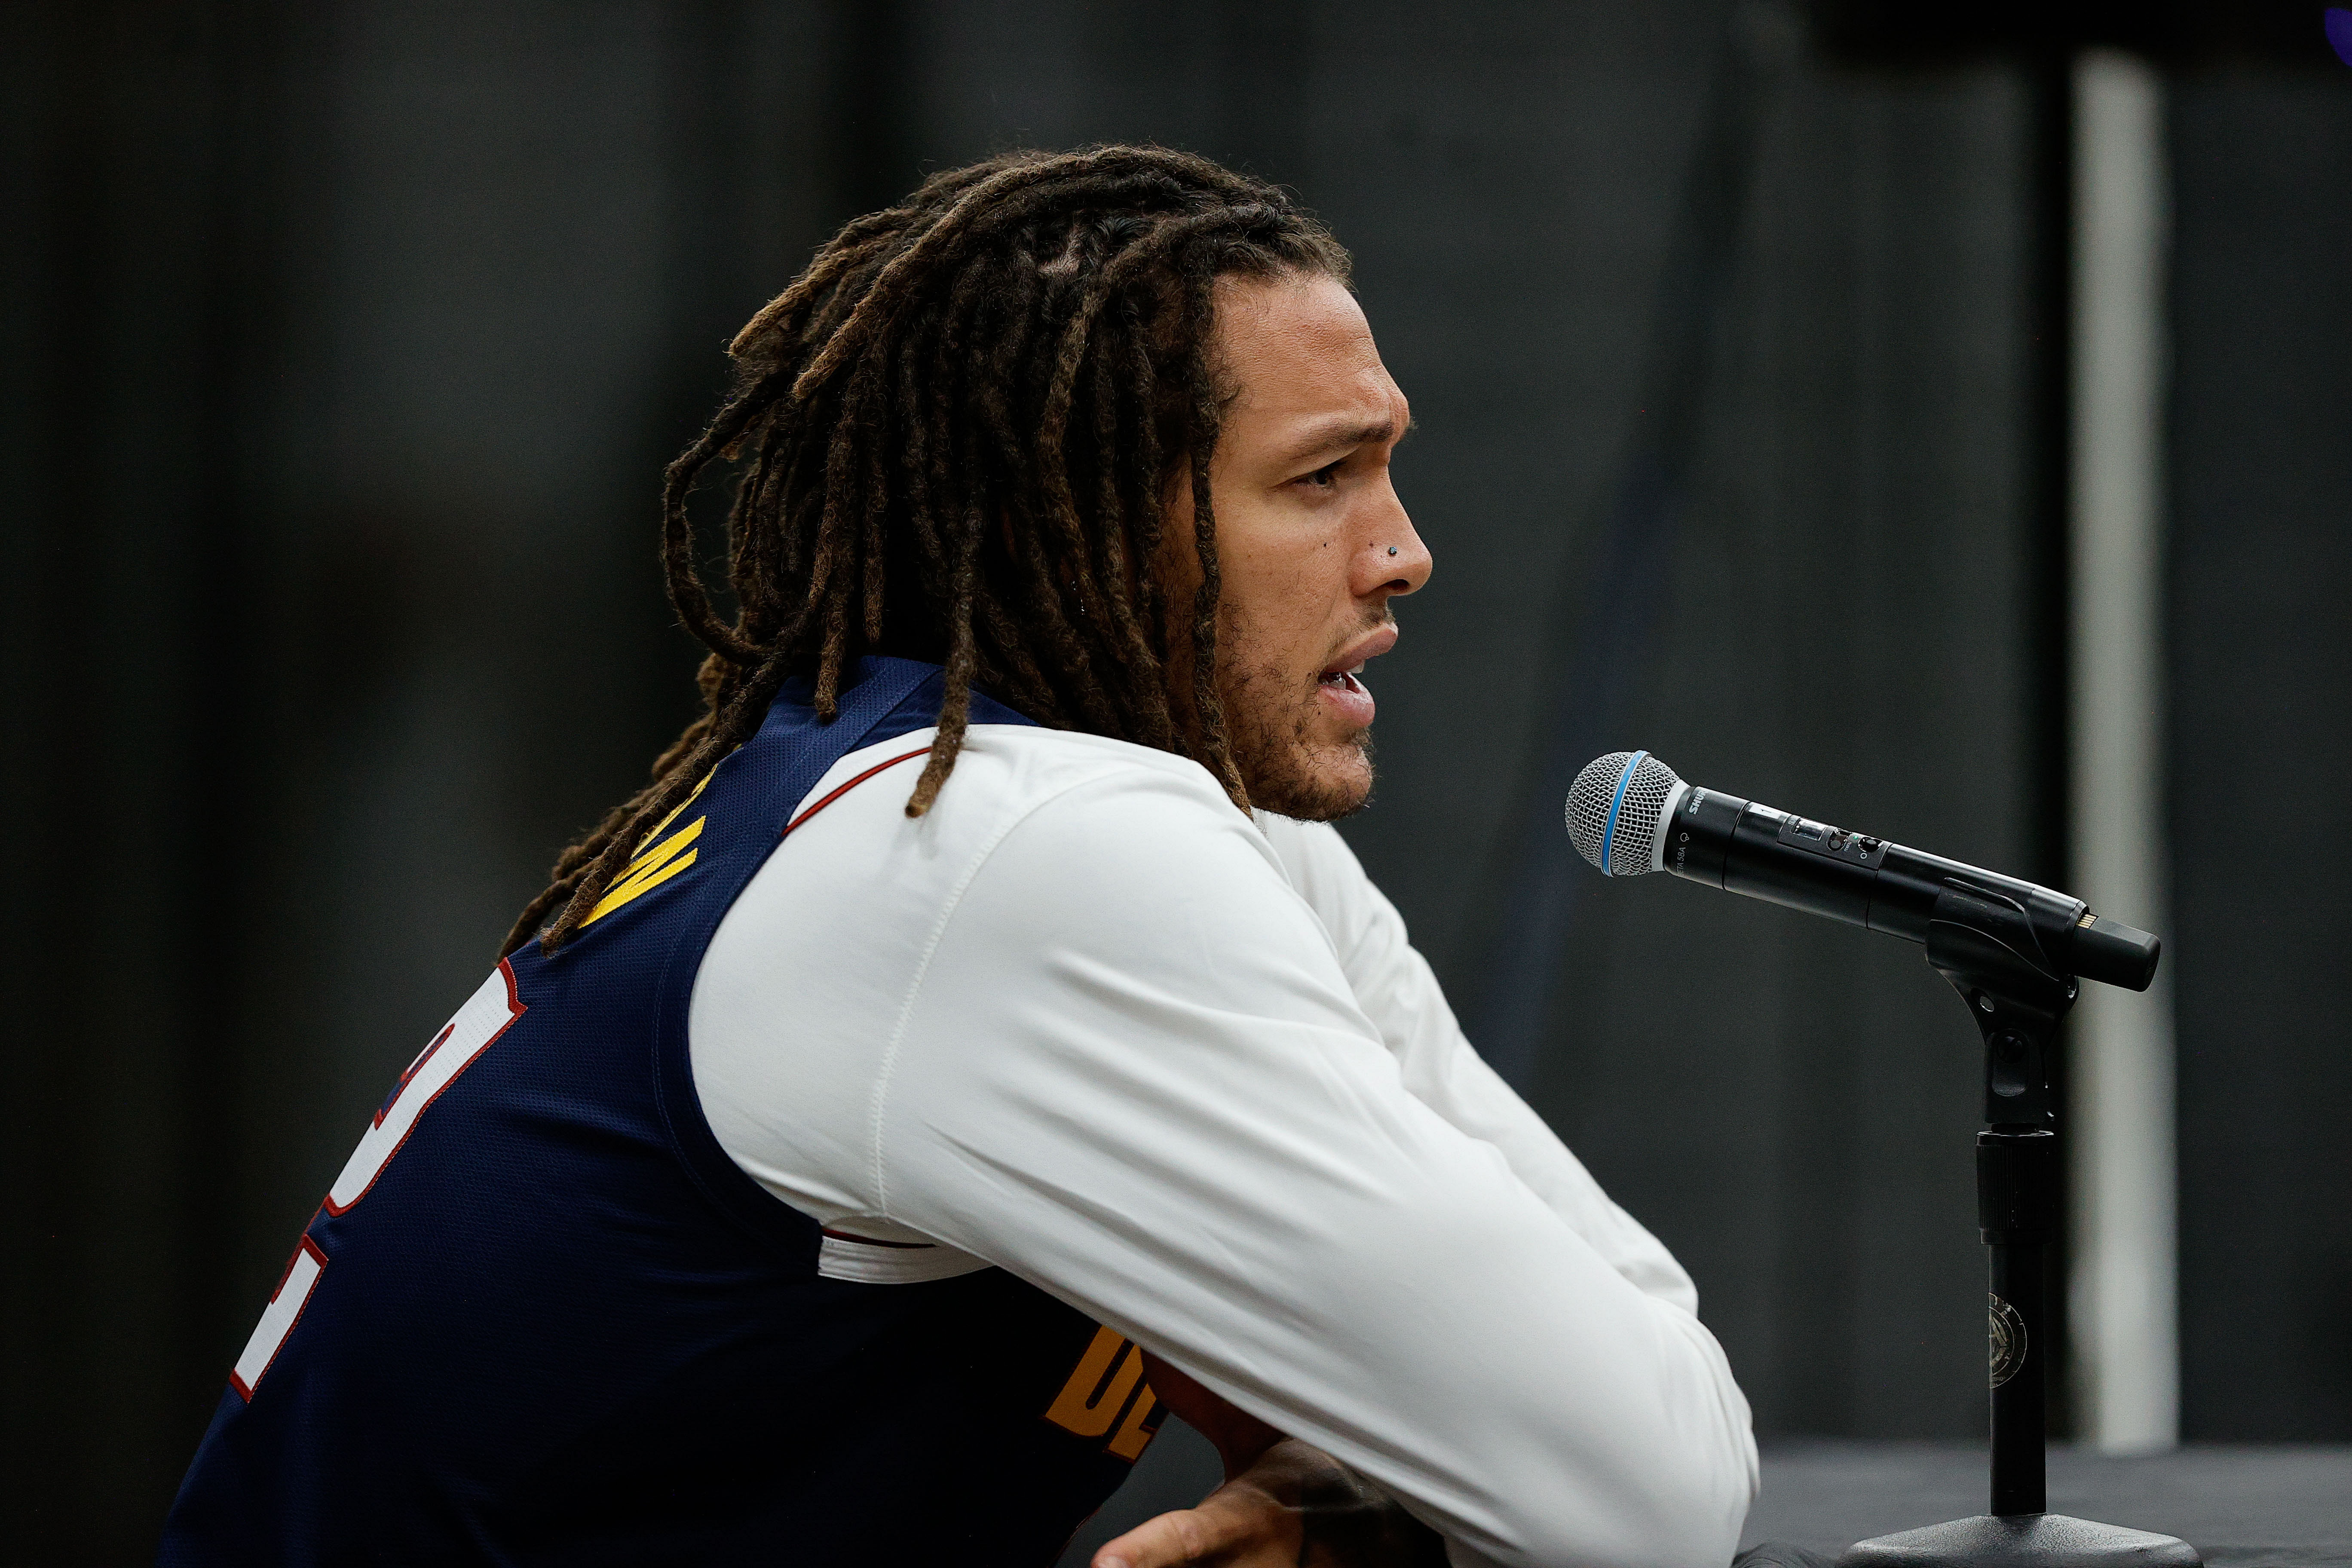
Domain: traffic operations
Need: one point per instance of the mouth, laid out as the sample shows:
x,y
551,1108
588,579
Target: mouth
x,y
1340,680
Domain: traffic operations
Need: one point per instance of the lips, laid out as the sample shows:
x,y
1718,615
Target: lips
x,y
1339,684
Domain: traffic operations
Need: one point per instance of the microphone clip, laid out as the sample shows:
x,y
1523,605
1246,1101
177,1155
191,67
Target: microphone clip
x,y
1986,944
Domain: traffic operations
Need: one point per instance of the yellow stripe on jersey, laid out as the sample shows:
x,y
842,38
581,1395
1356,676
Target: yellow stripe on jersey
x,y
652,867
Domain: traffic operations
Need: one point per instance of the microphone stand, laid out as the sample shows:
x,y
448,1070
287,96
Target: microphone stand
x,y
1983,944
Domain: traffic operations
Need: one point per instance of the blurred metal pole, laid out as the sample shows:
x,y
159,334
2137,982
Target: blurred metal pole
x,y
2122,1288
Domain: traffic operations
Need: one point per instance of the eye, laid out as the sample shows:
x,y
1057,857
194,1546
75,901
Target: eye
x,y
1322,478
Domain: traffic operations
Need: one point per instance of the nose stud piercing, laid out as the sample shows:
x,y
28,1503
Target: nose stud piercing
x,y
1392,549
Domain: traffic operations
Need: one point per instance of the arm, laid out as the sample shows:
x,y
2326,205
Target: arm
x,y
1132,1071
1393,985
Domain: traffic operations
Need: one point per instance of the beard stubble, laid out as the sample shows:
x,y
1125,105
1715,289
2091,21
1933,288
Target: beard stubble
x,y
1268,729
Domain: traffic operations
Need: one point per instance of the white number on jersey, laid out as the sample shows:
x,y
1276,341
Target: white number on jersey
x,y
487,1015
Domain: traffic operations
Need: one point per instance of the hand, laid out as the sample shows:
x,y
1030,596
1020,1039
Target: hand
x,y
1296,1507
1242,1524
1284,1505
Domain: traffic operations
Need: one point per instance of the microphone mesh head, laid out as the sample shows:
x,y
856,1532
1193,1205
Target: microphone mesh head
x,y
1633,787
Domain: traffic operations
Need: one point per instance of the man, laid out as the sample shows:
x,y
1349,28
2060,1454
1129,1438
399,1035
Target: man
x,y
854,1159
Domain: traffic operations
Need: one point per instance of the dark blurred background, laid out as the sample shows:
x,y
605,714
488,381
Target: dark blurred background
x,y
340,347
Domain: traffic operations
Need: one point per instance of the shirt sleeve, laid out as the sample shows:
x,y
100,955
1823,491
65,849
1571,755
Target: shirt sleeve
x,y
1132,1069
1400,994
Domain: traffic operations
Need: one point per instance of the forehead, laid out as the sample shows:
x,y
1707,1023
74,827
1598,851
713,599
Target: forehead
x,y
1299,346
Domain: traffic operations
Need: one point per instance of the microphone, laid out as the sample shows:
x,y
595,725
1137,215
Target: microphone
x,y
1629,813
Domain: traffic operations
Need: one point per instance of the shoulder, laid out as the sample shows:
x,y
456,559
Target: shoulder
x,y
1020,767
1049,861
1019,793
1065,859
1061,838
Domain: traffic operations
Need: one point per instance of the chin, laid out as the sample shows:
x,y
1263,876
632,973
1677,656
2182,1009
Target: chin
x,y
1285,750
1314,784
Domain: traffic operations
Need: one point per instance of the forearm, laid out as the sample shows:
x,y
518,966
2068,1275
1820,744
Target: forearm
x,y
1600,1426
1424,1318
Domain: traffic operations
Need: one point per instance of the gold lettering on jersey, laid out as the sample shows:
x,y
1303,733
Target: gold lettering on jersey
x,y
655,863
1143,1424
1091,1400
693,795
653,867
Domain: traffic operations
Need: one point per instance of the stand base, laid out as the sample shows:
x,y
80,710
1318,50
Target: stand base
x,y
2021,1540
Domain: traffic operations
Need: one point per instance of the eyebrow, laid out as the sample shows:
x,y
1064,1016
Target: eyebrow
x,y
1343,431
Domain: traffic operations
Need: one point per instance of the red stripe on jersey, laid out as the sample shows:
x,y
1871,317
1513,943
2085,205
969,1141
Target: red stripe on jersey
x,y
837,795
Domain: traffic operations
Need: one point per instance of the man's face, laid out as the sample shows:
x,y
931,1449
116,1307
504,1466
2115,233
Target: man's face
x,y
1312,543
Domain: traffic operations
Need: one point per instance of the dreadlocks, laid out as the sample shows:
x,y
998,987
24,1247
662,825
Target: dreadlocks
x,y
956,436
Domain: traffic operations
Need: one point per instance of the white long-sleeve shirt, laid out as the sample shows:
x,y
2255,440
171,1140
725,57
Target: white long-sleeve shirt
x,y
1182,1069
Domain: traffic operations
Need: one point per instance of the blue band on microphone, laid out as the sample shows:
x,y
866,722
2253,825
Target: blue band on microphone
x,y
1609,834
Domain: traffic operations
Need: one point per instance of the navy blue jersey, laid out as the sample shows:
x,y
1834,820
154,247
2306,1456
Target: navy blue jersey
x,y
541,1318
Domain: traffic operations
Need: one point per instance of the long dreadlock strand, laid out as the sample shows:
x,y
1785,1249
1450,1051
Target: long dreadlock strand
x,y
955,713
1209,711
1129,613
681,571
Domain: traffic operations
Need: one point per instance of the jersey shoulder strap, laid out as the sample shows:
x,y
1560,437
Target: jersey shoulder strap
x,y
662,910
